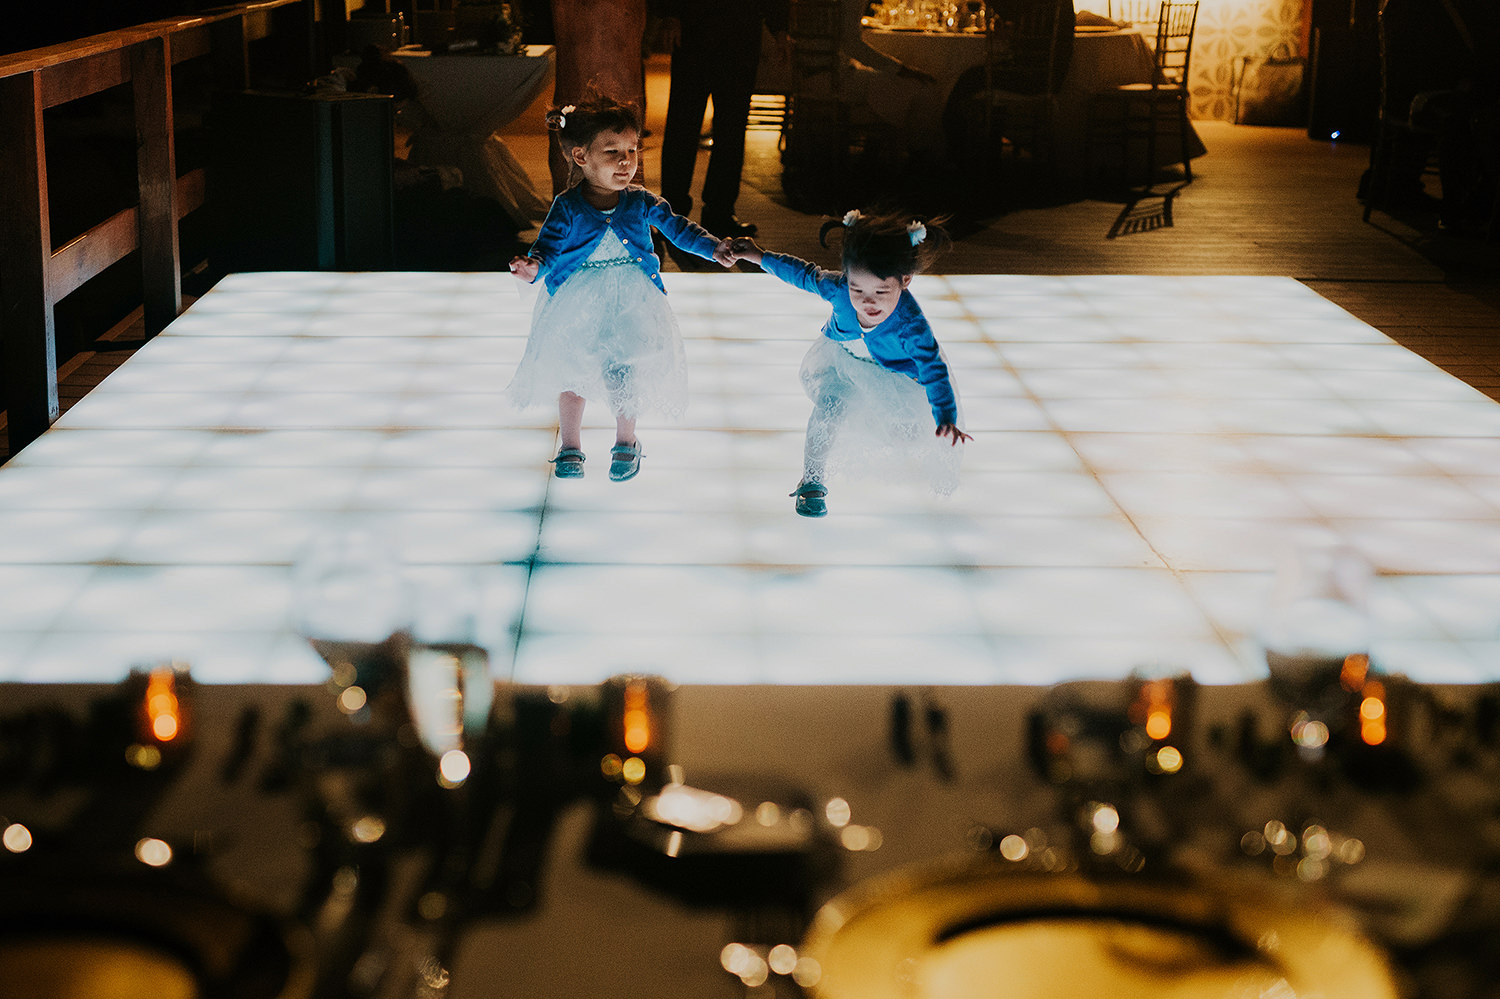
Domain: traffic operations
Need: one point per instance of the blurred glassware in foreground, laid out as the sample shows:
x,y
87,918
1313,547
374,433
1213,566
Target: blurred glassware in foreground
x,y
1316,634
449,687
352,603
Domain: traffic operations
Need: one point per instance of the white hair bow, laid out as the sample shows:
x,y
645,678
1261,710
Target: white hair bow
x,y
917,231
851,217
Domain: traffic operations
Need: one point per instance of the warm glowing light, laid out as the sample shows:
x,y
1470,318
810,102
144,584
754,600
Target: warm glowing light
x,y
367,829
1356,669
750,967
163,712
807,973
1309,733
454,766
693,809
1014,848
1105,843
1351,851
143,757
782,959
1316,842
611,767
17,838
855,838
1152,708
434,975
1169,758
735,958
1372,708
1311,868
838,811
352,700
768,813
633,770
1372,733
637,717
1283,841
755,976
1106,819
153,852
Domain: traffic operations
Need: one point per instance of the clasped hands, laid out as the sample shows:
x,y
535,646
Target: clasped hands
x,y
727,253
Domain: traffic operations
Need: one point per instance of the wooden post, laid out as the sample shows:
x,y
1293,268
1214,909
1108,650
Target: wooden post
x,y
230,54
28,338
156,168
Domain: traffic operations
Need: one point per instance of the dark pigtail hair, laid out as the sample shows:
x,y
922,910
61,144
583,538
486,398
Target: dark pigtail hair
x,y
888,244
577,124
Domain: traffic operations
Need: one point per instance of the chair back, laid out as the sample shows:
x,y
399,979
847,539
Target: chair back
x,y
1028,45
1174,43
1132,12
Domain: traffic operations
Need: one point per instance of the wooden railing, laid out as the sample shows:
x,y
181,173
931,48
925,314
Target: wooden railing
x,y
35,275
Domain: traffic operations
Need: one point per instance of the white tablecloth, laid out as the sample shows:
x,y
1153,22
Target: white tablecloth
x,y
1102,60
462,100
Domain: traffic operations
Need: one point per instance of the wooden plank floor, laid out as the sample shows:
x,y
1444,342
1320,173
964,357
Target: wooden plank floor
x,y
1263,201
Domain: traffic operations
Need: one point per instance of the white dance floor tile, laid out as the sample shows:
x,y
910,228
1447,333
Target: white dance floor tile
x,y
1145,447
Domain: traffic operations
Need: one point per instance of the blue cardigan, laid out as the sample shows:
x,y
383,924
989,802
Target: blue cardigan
x,y
903,342
573,227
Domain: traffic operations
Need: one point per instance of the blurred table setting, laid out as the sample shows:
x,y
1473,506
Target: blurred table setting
x,y
463,99
417,826
945,39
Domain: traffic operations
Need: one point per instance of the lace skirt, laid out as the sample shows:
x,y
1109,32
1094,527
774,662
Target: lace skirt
x,y
874,421
608,333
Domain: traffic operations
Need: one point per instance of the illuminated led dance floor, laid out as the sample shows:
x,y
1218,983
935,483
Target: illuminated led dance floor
x,y
1143,448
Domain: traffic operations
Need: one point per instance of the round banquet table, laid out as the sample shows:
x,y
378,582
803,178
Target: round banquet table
x,y
462,100
1102,60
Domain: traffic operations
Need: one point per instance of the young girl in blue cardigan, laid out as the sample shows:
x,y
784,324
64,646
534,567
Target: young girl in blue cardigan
x,y
603,329
876,376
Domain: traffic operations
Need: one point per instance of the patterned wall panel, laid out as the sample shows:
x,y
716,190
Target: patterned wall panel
x,y
1228,30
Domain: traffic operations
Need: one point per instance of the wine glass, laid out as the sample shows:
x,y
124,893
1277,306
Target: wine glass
x,y
352,604
449,688
1316,635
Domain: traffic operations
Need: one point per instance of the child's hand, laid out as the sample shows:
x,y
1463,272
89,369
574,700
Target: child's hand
x,y
525,268
949,430
724,253
743,248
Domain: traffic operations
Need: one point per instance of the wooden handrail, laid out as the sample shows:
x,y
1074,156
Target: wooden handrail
x,y
112,41
34,276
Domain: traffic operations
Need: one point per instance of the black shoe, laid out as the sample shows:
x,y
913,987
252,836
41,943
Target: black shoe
x,y
727,226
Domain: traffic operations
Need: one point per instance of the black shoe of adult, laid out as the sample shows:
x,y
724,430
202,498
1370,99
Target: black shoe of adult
x,y
726,226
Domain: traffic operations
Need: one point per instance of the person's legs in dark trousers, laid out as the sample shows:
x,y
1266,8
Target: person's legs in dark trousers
x,y
717,57
687,101
734,80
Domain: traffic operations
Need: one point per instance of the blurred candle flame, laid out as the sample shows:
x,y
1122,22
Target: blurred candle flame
x,y
637,717
163,710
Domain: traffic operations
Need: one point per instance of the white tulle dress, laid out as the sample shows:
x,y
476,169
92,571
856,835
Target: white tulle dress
x,y
607,333
871,422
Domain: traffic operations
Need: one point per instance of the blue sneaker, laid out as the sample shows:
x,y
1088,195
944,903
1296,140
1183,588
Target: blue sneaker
x,y
810,499
625,461
569,463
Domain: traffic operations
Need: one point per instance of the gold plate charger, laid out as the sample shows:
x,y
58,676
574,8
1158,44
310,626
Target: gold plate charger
x,y
959,930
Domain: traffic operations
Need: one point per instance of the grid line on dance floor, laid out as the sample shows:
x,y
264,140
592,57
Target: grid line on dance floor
x,y
1144,447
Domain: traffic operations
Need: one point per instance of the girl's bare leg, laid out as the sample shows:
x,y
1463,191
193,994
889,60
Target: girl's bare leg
x,y
822,428
624,430
570,419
